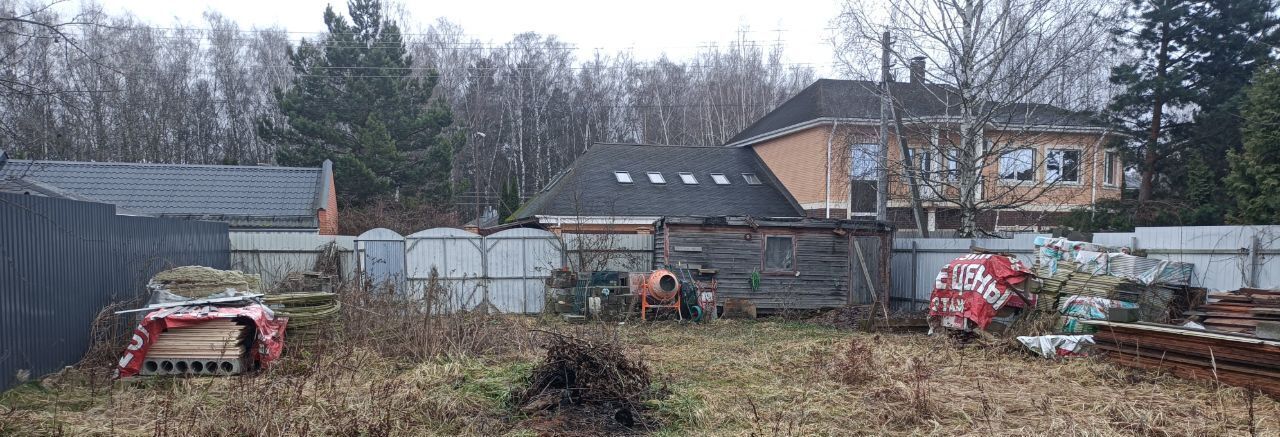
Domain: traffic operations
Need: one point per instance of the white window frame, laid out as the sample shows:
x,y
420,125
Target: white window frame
x,y
1048,177
1109,169
720,179
688,178
752,179
1000,167
655,177
623,177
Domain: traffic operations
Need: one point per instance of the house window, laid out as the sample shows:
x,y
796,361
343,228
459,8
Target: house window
x,y
1109,168
1018,165
622,177
688,179
779,253
656,178
922,161
1062,166
751,178
719,179
862,162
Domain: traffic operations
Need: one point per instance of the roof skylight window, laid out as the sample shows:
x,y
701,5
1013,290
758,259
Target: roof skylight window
x,y
656,178
622,177
719,179
688,179
751,178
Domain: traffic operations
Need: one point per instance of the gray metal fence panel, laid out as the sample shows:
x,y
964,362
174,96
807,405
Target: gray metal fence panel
x,y
917,261
456,256
62,261
518,261
381,255
275,254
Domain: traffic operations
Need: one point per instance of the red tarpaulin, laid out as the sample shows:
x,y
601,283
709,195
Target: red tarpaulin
x,y
972,288
267,343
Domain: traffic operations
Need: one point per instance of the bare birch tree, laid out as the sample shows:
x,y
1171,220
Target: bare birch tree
x,y
993,64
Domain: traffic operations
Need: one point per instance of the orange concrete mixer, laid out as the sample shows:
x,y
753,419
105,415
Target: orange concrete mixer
x,y
660,290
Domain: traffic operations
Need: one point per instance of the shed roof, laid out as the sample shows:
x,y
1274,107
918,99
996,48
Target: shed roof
x,y
263,195
589,186
860,99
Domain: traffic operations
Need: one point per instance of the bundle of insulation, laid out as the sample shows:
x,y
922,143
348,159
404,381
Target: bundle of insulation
x,y
198,282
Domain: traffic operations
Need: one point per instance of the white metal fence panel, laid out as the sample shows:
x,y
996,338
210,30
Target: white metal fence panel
x,y
518,261
1225,257
381,255
456,256
274,255
611,252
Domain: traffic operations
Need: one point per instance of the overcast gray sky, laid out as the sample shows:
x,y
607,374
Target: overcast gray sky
x,y
677,27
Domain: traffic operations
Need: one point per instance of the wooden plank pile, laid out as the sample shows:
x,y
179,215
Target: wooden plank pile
x,y
1239,311
1193,353
1153,300
215,347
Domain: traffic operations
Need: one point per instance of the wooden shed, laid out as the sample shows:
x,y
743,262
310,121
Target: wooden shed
x,y
800,263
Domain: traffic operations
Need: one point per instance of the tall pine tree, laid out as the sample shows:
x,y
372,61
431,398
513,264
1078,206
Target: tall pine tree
x,y
1154,81
1255,171
357,101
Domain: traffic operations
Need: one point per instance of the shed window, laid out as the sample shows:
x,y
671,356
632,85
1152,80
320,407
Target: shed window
x,y
622,176
688,179
656,178
751,178
719,179
1018,165
1062,166
779,253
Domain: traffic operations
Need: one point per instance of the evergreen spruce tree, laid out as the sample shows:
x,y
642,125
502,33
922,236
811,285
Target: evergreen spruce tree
x,y
1254,182
357,101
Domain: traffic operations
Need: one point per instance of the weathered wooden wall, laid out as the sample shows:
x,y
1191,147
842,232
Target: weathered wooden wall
x,y
824,263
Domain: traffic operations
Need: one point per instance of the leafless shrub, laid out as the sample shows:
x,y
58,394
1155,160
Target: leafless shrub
x,y
856,364
404,219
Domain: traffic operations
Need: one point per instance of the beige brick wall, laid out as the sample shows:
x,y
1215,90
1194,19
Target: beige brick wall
x,y
800,162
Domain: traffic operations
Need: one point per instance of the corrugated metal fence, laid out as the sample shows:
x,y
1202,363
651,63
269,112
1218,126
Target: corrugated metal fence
x,y
1225,257
274,255
917,261
62,261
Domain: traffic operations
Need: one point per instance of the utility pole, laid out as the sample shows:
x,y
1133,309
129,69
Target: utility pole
x,y
882,175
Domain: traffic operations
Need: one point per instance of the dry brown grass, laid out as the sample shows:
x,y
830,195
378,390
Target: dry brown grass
x,y
724,378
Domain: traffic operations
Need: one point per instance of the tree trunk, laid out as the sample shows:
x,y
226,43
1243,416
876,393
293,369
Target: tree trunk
x,y
1157,114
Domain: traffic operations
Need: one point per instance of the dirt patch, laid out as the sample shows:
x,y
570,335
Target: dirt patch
x,y
587,388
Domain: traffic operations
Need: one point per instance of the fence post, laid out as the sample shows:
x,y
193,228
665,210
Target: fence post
x,y
915,274
1253,263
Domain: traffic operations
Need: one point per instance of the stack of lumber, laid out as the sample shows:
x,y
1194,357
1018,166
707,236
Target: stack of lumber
x,y
195,282
215,347
1239,311
312,316
1192,353
1153,300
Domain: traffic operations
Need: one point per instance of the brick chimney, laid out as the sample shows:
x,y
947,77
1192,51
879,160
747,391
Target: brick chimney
x,y
917,69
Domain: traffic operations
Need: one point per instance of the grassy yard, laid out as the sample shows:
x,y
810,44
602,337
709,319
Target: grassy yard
x,y
725,378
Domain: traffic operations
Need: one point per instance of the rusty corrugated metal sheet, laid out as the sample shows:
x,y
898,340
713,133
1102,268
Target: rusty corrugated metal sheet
x,y
62,261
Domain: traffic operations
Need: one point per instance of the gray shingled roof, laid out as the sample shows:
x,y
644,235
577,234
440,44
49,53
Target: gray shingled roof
x,y
860,99
589,188
271,196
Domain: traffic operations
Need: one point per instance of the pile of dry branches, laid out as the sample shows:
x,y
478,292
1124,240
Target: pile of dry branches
x,y
587,387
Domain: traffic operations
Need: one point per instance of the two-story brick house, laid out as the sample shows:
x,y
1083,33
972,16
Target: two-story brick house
x,y
1050,160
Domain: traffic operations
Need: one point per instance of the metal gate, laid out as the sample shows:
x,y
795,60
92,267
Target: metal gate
x,y
517,263
381,255
456,259
504,271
